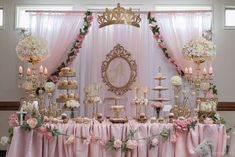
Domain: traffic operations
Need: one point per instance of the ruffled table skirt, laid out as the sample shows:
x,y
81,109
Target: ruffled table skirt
x,y
34,144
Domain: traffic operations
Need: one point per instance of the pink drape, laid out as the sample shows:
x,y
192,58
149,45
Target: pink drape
x,y
32,144
179,28
59,30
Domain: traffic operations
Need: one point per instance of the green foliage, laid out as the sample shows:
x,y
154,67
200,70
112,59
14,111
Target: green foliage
x,y
213,88
131,133
25,126
110,144
192,125
55,132
165,134
10,131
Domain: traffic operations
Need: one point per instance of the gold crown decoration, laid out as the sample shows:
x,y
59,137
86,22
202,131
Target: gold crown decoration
x,y
119,15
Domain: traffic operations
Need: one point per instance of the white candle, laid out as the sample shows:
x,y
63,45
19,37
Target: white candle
x,y
190,70
210,70
45,71
41,69
204,71
186,70
20,70
28,72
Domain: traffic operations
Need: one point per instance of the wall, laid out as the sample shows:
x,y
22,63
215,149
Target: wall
x,y
224,75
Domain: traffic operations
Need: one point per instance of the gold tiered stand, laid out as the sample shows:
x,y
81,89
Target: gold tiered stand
x,y
117,110
159,88
67,88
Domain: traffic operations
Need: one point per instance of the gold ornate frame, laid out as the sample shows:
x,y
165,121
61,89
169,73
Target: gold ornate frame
x,y
119,52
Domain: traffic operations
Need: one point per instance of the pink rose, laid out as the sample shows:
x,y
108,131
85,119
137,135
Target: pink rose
x,y
192,118
161,45
27,116
208,121
157,35
181,125
117,143
42,130
69,63
70,140
72,57
103,142
171,60
157,105
76,51
80,37
32,122
173,138
154,141
13,120
89,18
54,78
48,135
131,144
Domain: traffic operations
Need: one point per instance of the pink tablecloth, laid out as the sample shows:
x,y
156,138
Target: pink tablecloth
x,y
32,144
232,145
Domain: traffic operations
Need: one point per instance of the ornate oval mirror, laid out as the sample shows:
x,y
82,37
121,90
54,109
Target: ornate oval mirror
x,y
118,70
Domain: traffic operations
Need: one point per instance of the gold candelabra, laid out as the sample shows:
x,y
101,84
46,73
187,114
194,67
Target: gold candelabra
x,y
33,82
199,80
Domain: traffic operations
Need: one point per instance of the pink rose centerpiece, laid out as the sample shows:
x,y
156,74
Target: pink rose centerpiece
x,y
181,125
199,50
131,144
157,106
117,143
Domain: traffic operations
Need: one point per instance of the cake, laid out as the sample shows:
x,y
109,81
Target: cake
x,y
67,71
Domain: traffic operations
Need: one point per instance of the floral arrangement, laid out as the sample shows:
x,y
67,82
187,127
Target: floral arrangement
x,y
157,106
128,144
49,87
157,35
217,119
32,49
183,125
208,106
76,46
176,81
72,104
199,47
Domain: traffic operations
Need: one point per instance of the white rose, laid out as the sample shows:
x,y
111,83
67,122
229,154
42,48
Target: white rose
x,y
176,81
4,140
50,87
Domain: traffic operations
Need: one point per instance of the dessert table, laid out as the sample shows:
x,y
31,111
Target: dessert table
x,y
33,144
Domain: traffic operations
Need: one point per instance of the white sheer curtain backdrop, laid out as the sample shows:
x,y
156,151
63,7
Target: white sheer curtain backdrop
x,y
179,28
143,48
60,30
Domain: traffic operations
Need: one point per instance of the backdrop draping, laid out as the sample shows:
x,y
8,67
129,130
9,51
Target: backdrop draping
x,y
143,48
179,28
138,41
59,30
